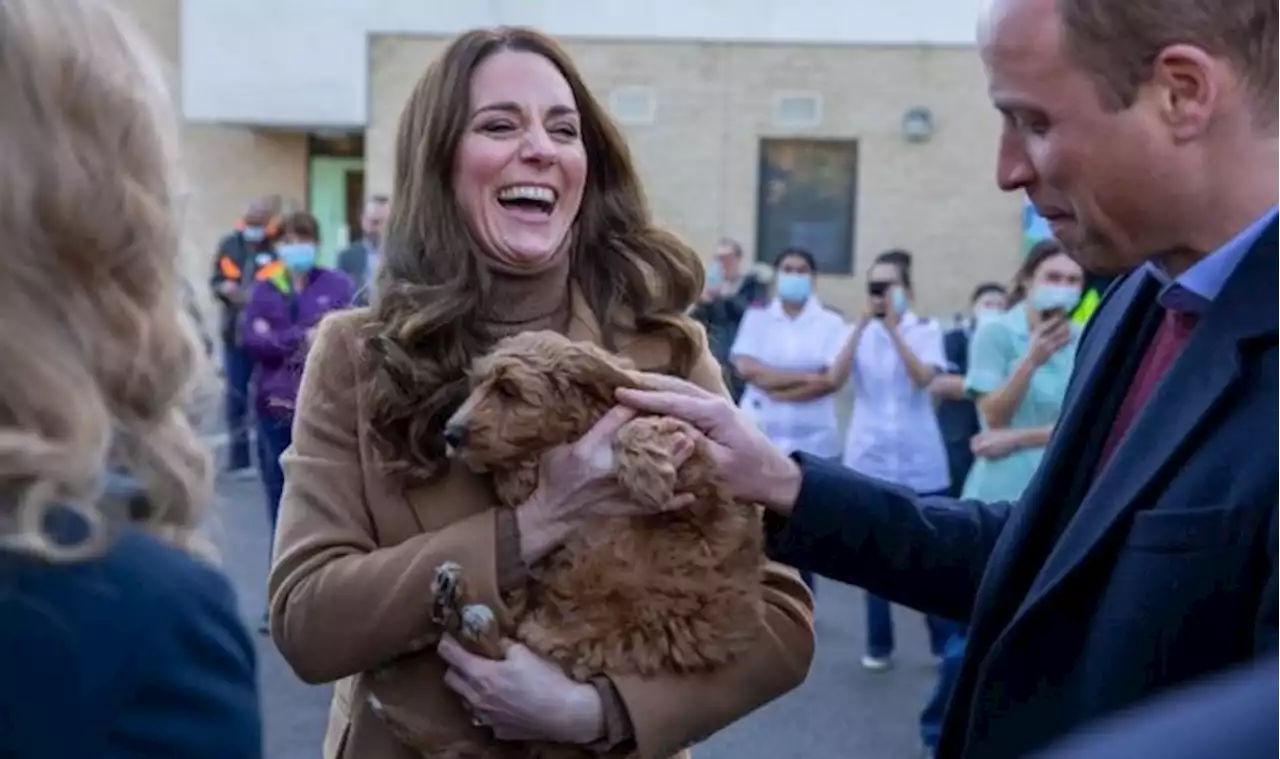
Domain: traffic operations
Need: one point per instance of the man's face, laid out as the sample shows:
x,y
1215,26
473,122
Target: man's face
x,y
374,218
1106,181
991,301
730,263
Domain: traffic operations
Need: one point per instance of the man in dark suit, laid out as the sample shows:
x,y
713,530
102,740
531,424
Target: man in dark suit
x,y
1229,715
359,261
1143,553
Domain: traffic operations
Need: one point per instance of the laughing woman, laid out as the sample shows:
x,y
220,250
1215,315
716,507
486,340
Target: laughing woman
x,y
517,208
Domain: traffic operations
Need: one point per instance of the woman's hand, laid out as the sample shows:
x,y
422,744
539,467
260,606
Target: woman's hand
x,y
1048,338
996,444
523,697
577,482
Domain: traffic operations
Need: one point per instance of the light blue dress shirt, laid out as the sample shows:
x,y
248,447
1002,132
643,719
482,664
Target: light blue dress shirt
x,y
1198,286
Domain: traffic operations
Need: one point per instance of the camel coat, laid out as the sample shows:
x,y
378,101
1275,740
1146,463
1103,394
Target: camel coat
x,y
354,559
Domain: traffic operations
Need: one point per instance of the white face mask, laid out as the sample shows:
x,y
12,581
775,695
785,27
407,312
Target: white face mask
x,y
985,314
1055,298
898,300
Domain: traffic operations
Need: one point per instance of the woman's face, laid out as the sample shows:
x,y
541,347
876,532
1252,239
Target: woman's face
x,y
883,280
794,265
1057,270
294,237
795,280
521,164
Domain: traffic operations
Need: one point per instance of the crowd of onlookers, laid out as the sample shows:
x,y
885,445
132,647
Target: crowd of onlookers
x,y
273,291
965,411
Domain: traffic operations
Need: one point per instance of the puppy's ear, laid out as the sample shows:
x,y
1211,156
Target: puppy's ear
x,y
591,367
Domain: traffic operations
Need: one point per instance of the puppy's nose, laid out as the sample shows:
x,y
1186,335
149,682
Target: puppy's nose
x,y
455,436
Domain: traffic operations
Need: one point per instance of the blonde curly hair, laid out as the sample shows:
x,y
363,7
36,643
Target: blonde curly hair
x,y
95,359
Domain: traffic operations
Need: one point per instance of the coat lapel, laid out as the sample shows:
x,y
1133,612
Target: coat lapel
x,y
1104,354
1183,403
583,325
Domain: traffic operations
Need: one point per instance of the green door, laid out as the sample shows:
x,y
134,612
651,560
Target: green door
x,y
329,192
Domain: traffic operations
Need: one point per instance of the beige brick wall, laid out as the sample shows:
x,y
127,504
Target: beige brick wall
x,y
223,166
700,158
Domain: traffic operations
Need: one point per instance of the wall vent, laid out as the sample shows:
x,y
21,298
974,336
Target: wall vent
x,y
634,105
797,109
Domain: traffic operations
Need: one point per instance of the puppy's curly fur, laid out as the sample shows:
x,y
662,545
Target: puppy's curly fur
x,y
674,591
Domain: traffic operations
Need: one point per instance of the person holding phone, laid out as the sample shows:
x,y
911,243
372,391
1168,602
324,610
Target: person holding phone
x,y
1019,366
892,356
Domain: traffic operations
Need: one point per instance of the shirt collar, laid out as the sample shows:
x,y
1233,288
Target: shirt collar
x,y
811,307
1197,287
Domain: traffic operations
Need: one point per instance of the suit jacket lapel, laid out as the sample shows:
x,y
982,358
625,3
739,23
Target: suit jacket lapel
x,y
1200,379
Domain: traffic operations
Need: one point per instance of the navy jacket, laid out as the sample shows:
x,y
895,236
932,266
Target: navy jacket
x,y
139,654
958,420
1227,716
1090,594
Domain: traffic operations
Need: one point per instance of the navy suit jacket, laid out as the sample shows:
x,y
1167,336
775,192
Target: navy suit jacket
x,y
137,654
1231,716
1090,593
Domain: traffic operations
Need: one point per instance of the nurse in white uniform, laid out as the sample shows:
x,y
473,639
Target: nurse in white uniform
x,y
784,351
891,357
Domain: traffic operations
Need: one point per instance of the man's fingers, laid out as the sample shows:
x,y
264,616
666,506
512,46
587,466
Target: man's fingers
x,y
700,412
667,383
603,432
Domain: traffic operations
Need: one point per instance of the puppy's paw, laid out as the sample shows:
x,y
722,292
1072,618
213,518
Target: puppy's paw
x,y
479,632
446,592
649,452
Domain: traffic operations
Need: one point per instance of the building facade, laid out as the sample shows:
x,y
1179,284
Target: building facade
x,y
844,126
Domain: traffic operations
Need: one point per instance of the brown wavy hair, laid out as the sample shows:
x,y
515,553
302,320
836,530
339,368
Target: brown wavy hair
x,y
432,286
97,358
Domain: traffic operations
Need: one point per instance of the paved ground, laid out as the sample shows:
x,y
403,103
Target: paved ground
x,y
841,711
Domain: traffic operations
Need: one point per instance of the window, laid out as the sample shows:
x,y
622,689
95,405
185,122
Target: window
x,y
633,105
806,196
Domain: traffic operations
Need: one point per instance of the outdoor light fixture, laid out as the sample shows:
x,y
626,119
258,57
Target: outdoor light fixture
x,y
917,124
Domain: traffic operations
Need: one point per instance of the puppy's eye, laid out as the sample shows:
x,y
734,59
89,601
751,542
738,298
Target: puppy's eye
x,y
505,388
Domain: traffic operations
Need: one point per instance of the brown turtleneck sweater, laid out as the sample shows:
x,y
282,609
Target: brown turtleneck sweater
x,y
524,300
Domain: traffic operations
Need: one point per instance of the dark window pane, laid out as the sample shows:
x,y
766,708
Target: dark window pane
x,y
806,193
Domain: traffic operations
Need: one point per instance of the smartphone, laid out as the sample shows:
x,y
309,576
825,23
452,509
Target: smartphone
x,y
878,290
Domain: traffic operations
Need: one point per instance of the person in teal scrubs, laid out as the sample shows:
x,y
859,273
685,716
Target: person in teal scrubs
x,y
1019,366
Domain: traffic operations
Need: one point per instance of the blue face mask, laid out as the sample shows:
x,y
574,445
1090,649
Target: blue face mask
x,y
898,300
715,274
253,234
794,288
984,315
297,256
1055,298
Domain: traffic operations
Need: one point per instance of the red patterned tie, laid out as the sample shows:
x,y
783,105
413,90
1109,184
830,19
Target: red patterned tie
x,y
1170,339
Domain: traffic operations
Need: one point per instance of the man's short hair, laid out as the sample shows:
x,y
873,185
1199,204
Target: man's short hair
x,y
1116,41
732,245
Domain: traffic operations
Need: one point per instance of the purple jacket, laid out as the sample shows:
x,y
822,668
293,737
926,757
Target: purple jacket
x,y
274,328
